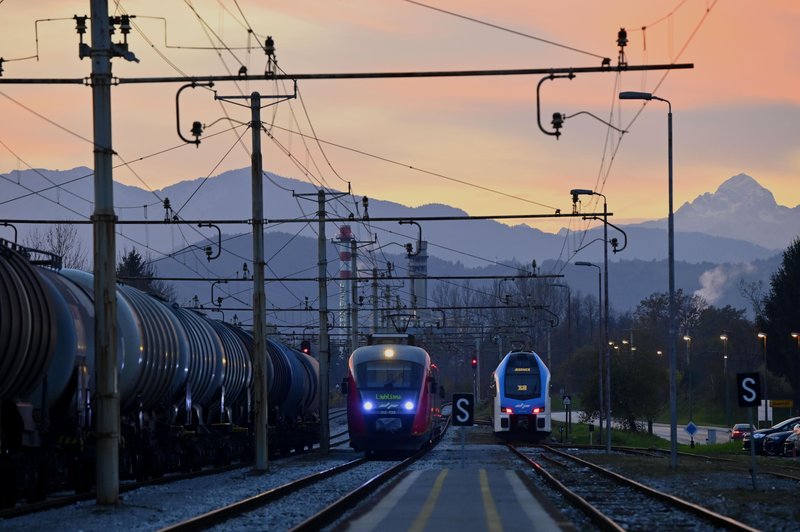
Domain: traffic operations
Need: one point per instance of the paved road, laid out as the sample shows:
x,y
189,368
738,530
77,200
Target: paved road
x,y
701,437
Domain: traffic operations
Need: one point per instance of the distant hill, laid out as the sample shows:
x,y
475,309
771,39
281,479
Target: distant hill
x,y
740,209
228,197
708,257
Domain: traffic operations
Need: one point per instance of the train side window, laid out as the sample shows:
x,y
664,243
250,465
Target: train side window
x,y
343,387
433,384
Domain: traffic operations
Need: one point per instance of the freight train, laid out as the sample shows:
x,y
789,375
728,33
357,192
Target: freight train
x,y
393,397
185,384
520,389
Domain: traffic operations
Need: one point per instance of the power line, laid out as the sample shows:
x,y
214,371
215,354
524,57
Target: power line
x,y
497,27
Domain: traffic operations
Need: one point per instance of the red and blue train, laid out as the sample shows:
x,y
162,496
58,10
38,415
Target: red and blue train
x,y
393,397
520,395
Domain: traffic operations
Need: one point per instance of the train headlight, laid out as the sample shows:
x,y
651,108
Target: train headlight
x,y
538,410
368,405
507,410
408,405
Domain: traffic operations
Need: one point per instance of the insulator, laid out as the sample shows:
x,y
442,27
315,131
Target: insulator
x,y
558,121
80,24
269,46
622,38
197,129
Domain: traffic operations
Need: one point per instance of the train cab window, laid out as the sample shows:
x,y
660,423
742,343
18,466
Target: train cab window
x,y
523,380
388,374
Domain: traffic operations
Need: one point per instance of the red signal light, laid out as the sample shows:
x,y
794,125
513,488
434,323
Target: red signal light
x,y
474,363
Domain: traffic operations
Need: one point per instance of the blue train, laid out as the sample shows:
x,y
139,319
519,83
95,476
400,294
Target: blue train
x,y
520,395
393,397
185,384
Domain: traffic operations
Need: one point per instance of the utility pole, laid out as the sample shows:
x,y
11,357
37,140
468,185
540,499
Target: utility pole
x,y
353,295
105,282
374,300
260,402
324,349
259,297
324,337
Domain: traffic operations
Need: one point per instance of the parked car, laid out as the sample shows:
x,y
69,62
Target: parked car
x,y
759,435
739,430
791,446
773,443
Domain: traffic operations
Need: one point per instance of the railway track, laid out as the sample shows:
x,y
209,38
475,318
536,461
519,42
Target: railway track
x,y
615,502
59,501
322,497
340,438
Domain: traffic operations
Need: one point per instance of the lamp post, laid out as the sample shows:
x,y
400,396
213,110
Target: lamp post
x,y
763,336
796,336
586,192
688,340
724,338
673,400
600,345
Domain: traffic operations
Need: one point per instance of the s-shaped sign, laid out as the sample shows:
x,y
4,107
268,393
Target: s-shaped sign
x,y
463,409
748,389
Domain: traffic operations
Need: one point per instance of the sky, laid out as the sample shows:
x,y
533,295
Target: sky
x,y
473,143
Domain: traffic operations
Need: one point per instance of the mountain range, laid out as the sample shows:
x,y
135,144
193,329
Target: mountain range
x,y
733,233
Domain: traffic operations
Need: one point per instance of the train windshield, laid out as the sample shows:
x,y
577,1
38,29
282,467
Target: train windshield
x,y
523,380
388,374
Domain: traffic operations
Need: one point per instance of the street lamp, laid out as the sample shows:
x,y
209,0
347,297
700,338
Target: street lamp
x,y
724,338
673,400
586,192
763,336
688,340
796,336
600,346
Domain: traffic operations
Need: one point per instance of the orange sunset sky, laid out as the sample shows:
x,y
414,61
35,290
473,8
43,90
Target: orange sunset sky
x,y
737,111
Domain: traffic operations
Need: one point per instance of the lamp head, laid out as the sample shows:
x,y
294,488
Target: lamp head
x,y
635,95
580,192
762,335
583,263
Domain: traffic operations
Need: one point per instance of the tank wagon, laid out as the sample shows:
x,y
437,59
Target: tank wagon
x,y
520,397
393,398
185,384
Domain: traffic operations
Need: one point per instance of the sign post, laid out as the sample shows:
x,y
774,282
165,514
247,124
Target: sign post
x,y
748,390
463,415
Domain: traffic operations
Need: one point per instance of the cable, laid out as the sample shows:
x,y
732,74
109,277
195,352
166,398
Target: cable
x,y
203,181
428,172
495,26
51,122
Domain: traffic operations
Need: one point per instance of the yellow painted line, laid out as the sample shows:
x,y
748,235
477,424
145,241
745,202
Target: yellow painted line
x,y
493,522
422,518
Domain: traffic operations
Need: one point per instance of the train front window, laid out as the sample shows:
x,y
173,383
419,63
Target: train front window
x,y
522,382
383,374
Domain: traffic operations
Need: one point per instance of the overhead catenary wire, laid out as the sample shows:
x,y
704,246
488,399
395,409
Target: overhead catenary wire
x,y
508,30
